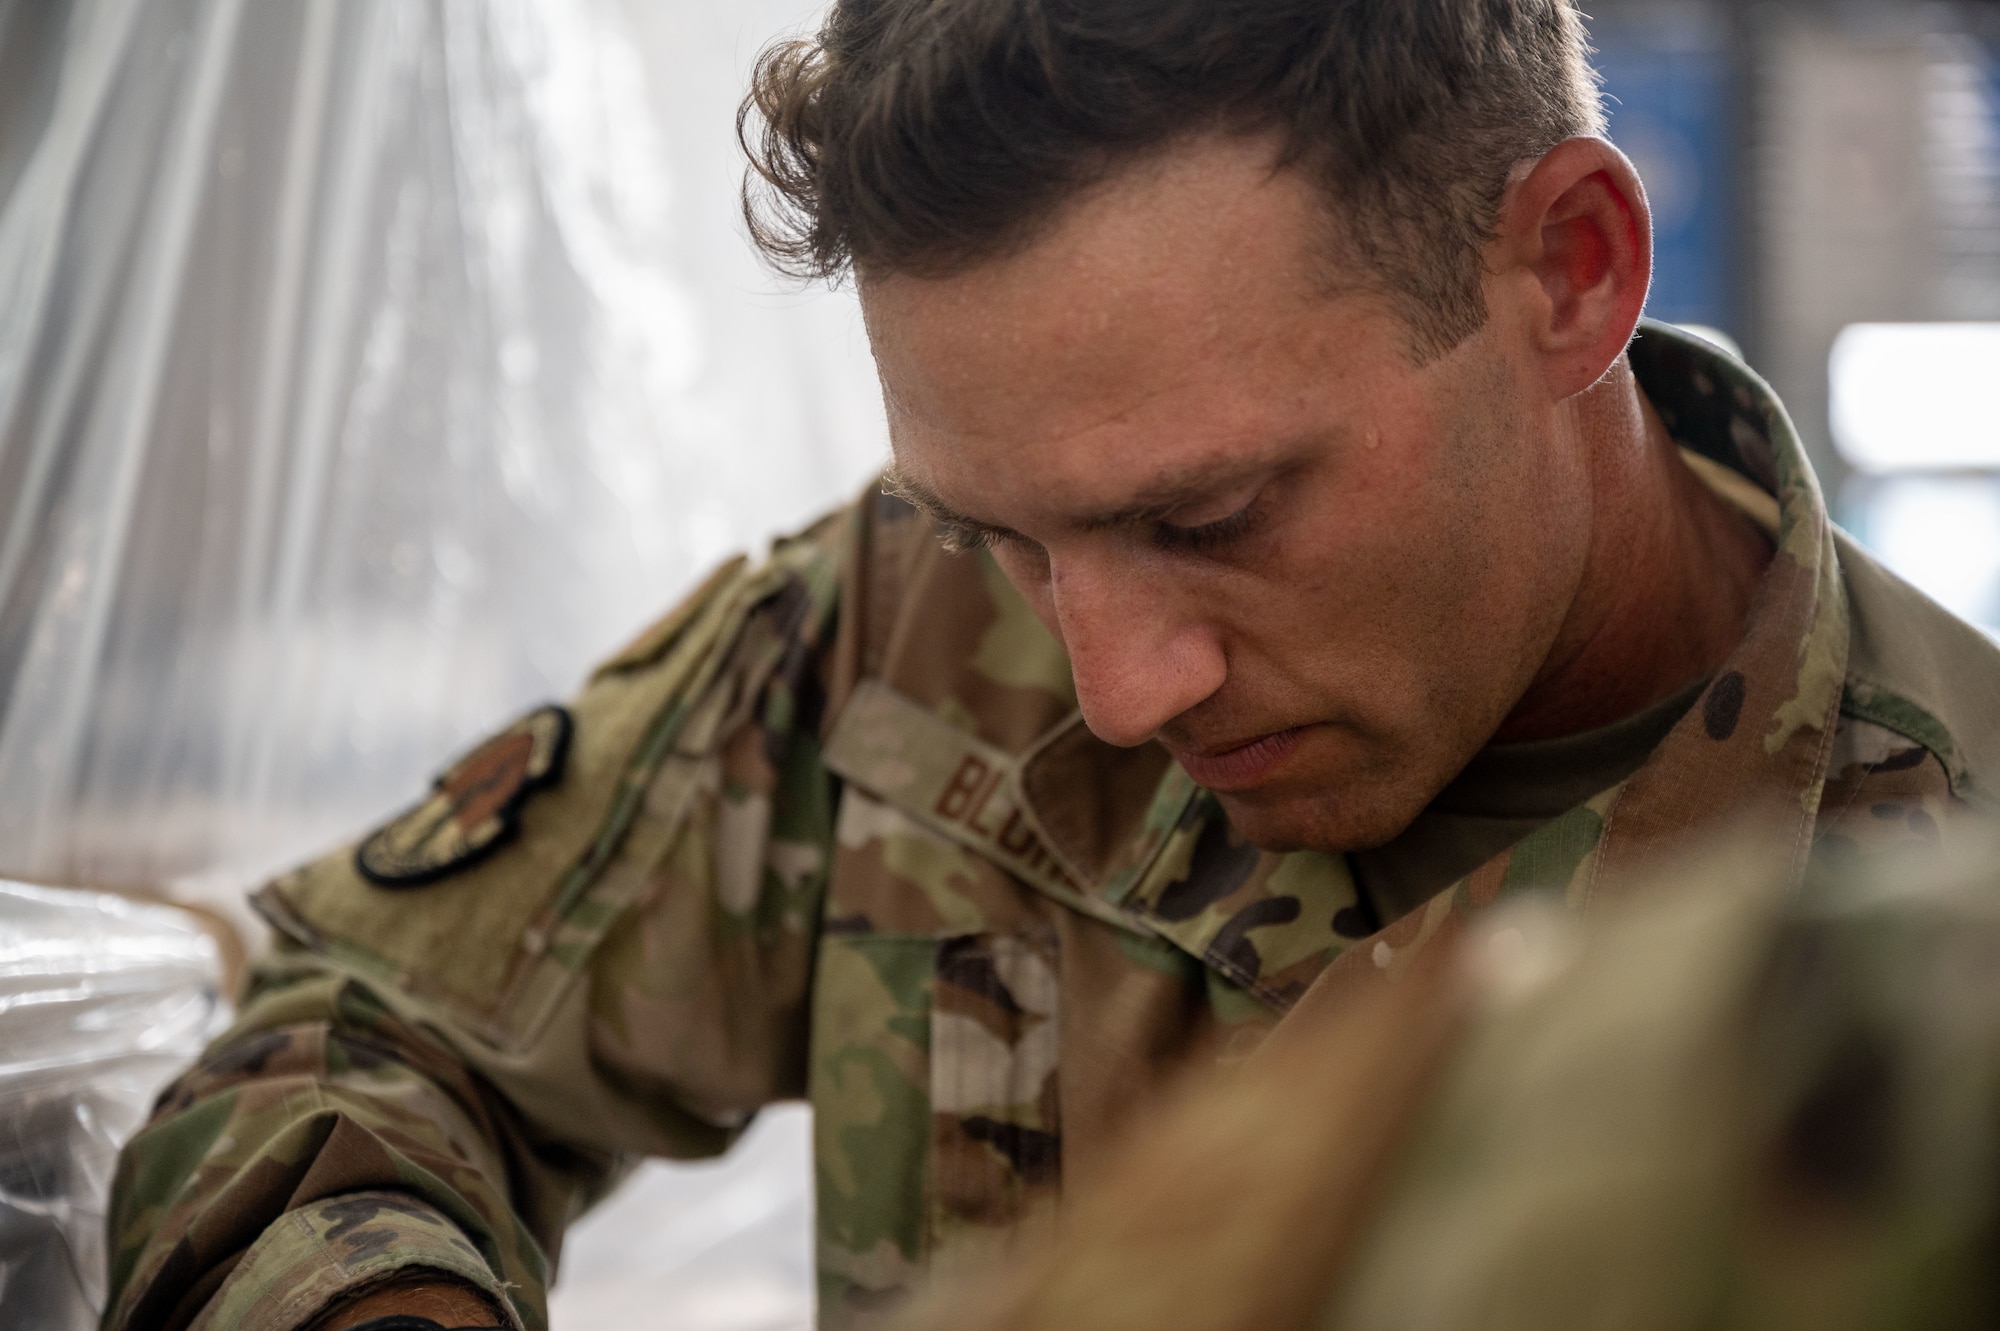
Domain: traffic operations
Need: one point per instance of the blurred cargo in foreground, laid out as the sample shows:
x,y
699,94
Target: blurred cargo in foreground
x,y
1721,1105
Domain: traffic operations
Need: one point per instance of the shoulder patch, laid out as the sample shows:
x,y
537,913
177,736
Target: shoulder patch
x,y
473,809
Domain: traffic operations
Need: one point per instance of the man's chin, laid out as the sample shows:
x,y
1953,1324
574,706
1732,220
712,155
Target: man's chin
x,y
1282,822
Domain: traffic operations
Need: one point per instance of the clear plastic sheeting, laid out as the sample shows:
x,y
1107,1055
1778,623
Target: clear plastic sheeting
x,y
102,1001
367,368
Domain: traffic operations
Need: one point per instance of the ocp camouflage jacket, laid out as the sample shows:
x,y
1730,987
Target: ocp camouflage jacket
x,y
834,829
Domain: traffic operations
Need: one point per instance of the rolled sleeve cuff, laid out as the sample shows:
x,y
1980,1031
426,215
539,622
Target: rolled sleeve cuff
x,y
334,1249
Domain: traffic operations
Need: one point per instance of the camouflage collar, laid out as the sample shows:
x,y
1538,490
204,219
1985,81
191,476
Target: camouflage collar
x,y
981,742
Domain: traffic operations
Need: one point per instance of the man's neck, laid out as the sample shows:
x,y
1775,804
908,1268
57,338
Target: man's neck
x,y
1666,594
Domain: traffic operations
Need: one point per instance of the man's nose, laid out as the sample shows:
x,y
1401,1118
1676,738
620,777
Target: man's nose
x,y
1138,659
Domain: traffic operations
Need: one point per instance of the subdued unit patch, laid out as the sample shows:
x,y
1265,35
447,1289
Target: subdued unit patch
x,y
472,809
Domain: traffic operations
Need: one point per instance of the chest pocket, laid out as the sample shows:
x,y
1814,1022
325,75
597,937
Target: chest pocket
x,y
996,1116
934,1073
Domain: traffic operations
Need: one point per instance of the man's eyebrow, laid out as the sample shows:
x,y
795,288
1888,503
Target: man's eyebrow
x,y
1158,501
920,497
1153,504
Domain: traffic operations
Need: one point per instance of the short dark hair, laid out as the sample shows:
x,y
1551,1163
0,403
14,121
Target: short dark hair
x,y
925,135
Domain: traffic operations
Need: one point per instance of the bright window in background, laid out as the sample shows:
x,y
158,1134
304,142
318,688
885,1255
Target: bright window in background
x,y
1917,397
1916,413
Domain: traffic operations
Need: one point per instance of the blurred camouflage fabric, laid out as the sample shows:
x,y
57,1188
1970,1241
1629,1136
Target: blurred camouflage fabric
x,y
835,829
1723,1103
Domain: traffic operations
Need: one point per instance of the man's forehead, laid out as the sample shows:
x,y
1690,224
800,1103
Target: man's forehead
x,y
1133,288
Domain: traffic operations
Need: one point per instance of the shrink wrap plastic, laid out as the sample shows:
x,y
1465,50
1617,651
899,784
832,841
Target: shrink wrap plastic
x,y
368,368
102,1001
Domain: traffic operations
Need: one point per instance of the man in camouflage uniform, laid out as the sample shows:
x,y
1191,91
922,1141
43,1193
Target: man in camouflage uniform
x,y
1305,590
1720,1103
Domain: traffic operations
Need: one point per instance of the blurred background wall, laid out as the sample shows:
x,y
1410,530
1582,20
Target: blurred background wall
x,y
1825,176
369,367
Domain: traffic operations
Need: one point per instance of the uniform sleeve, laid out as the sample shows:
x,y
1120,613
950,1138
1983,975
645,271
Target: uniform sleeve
x,y
443,1061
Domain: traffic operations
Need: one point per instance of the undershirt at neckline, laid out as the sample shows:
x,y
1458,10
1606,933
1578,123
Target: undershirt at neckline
x,y
1506,792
